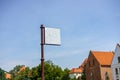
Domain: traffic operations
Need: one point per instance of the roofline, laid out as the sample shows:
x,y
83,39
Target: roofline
x,y
101,51
105,65
91,52
94,56
74,72
118,45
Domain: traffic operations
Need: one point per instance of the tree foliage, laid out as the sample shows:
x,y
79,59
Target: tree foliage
x,y
2,74
51,72
18,74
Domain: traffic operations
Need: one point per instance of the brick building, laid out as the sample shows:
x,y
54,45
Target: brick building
x,y
98,66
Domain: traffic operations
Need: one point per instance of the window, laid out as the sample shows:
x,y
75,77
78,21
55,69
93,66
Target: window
x,y
119,59
92,76
119,70
107,76
116,70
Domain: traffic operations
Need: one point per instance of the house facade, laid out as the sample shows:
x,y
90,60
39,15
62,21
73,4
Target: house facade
x,y
116,63
75,73
98,66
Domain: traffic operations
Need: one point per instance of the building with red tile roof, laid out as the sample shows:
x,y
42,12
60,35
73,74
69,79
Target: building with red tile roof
x,y
77,72
98,66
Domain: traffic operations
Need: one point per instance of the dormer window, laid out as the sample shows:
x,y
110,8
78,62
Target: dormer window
x,y
119,59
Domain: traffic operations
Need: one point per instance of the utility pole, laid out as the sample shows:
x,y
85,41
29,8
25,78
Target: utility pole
x,y
49,36
42,50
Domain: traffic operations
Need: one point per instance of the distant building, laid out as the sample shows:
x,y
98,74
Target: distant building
x,y
98,66
7,76
22,68
116,63
77,72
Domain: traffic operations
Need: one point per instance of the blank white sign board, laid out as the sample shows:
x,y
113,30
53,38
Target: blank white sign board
x,y
52,36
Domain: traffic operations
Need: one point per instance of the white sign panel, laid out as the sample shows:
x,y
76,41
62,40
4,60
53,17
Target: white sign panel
x,y
52,36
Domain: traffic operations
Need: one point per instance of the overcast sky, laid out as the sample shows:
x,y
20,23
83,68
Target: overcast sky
x,y
85,25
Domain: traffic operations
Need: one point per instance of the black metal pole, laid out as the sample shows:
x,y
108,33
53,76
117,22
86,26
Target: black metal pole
x,y
42,50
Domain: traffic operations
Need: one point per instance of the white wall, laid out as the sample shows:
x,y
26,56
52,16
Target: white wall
x,y
115,63
75,75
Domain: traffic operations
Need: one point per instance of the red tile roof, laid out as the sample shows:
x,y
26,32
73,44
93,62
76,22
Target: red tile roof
x,y
8,76
104,58
80,69
84,63
76,70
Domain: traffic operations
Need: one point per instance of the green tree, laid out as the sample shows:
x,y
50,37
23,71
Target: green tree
x,y
74,79
35,73
51,72
15,70
83,77
2,74
66,74
20,75
24,74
